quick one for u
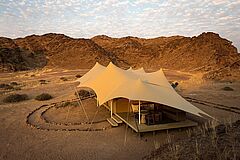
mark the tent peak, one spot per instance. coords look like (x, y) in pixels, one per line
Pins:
(110, 63)
(130, 68)
(113, 82)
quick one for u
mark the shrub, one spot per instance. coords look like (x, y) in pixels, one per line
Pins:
(78, 76)
(43, 81)
(84, 93)
(43, 97)
(17, 88)
(174, 85)
(63, 78)
(15, 98)
(5, 86)
(13, 83)
(227, 89)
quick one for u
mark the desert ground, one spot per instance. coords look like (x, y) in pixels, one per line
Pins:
(26, 136)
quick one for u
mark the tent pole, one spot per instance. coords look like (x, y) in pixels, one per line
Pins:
(125, 137)
(81, 104)
(139, 112)
(111, 108)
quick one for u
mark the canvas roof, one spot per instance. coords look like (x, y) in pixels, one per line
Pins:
(113, 82)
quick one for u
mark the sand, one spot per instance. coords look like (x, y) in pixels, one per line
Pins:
(20, 141)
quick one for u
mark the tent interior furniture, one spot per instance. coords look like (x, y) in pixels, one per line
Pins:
(150, 117)
(131, 122)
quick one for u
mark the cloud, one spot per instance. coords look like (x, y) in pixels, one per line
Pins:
(117, 18)
(218, 2)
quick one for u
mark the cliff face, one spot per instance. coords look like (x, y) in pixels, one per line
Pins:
(208, 53)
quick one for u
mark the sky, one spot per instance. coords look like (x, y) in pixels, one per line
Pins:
(120, 18)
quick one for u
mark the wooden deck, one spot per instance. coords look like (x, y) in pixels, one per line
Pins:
(133, 123)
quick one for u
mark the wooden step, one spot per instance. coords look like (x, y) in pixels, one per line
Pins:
(117, 119)
(112, 122)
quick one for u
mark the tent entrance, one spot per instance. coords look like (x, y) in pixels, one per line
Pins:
(148, 116)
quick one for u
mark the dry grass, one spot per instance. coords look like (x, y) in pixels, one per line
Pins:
(210, 141)
(65, 104)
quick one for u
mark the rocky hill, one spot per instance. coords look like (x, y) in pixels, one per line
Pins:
(64, 52)
(16, 58)
(208, 53)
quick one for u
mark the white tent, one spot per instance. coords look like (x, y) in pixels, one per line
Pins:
(112, 82)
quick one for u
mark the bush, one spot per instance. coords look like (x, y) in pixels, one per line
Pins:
(5, 86)
(43, 97)
(17, 88)
(84, 93)
(63, 78)
(13, 83)
(227, 89)
(15, 98)
(78, 76)
(43, 81)
(174, 85)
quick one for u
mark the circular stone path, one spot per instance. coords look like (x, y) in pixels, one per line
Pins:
(69, 116)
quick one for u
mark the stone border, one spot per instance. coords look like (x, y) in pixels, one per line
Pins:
(54, 123)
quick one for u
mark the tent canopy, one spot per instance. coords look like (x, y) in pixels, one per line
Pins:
(112, 82)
